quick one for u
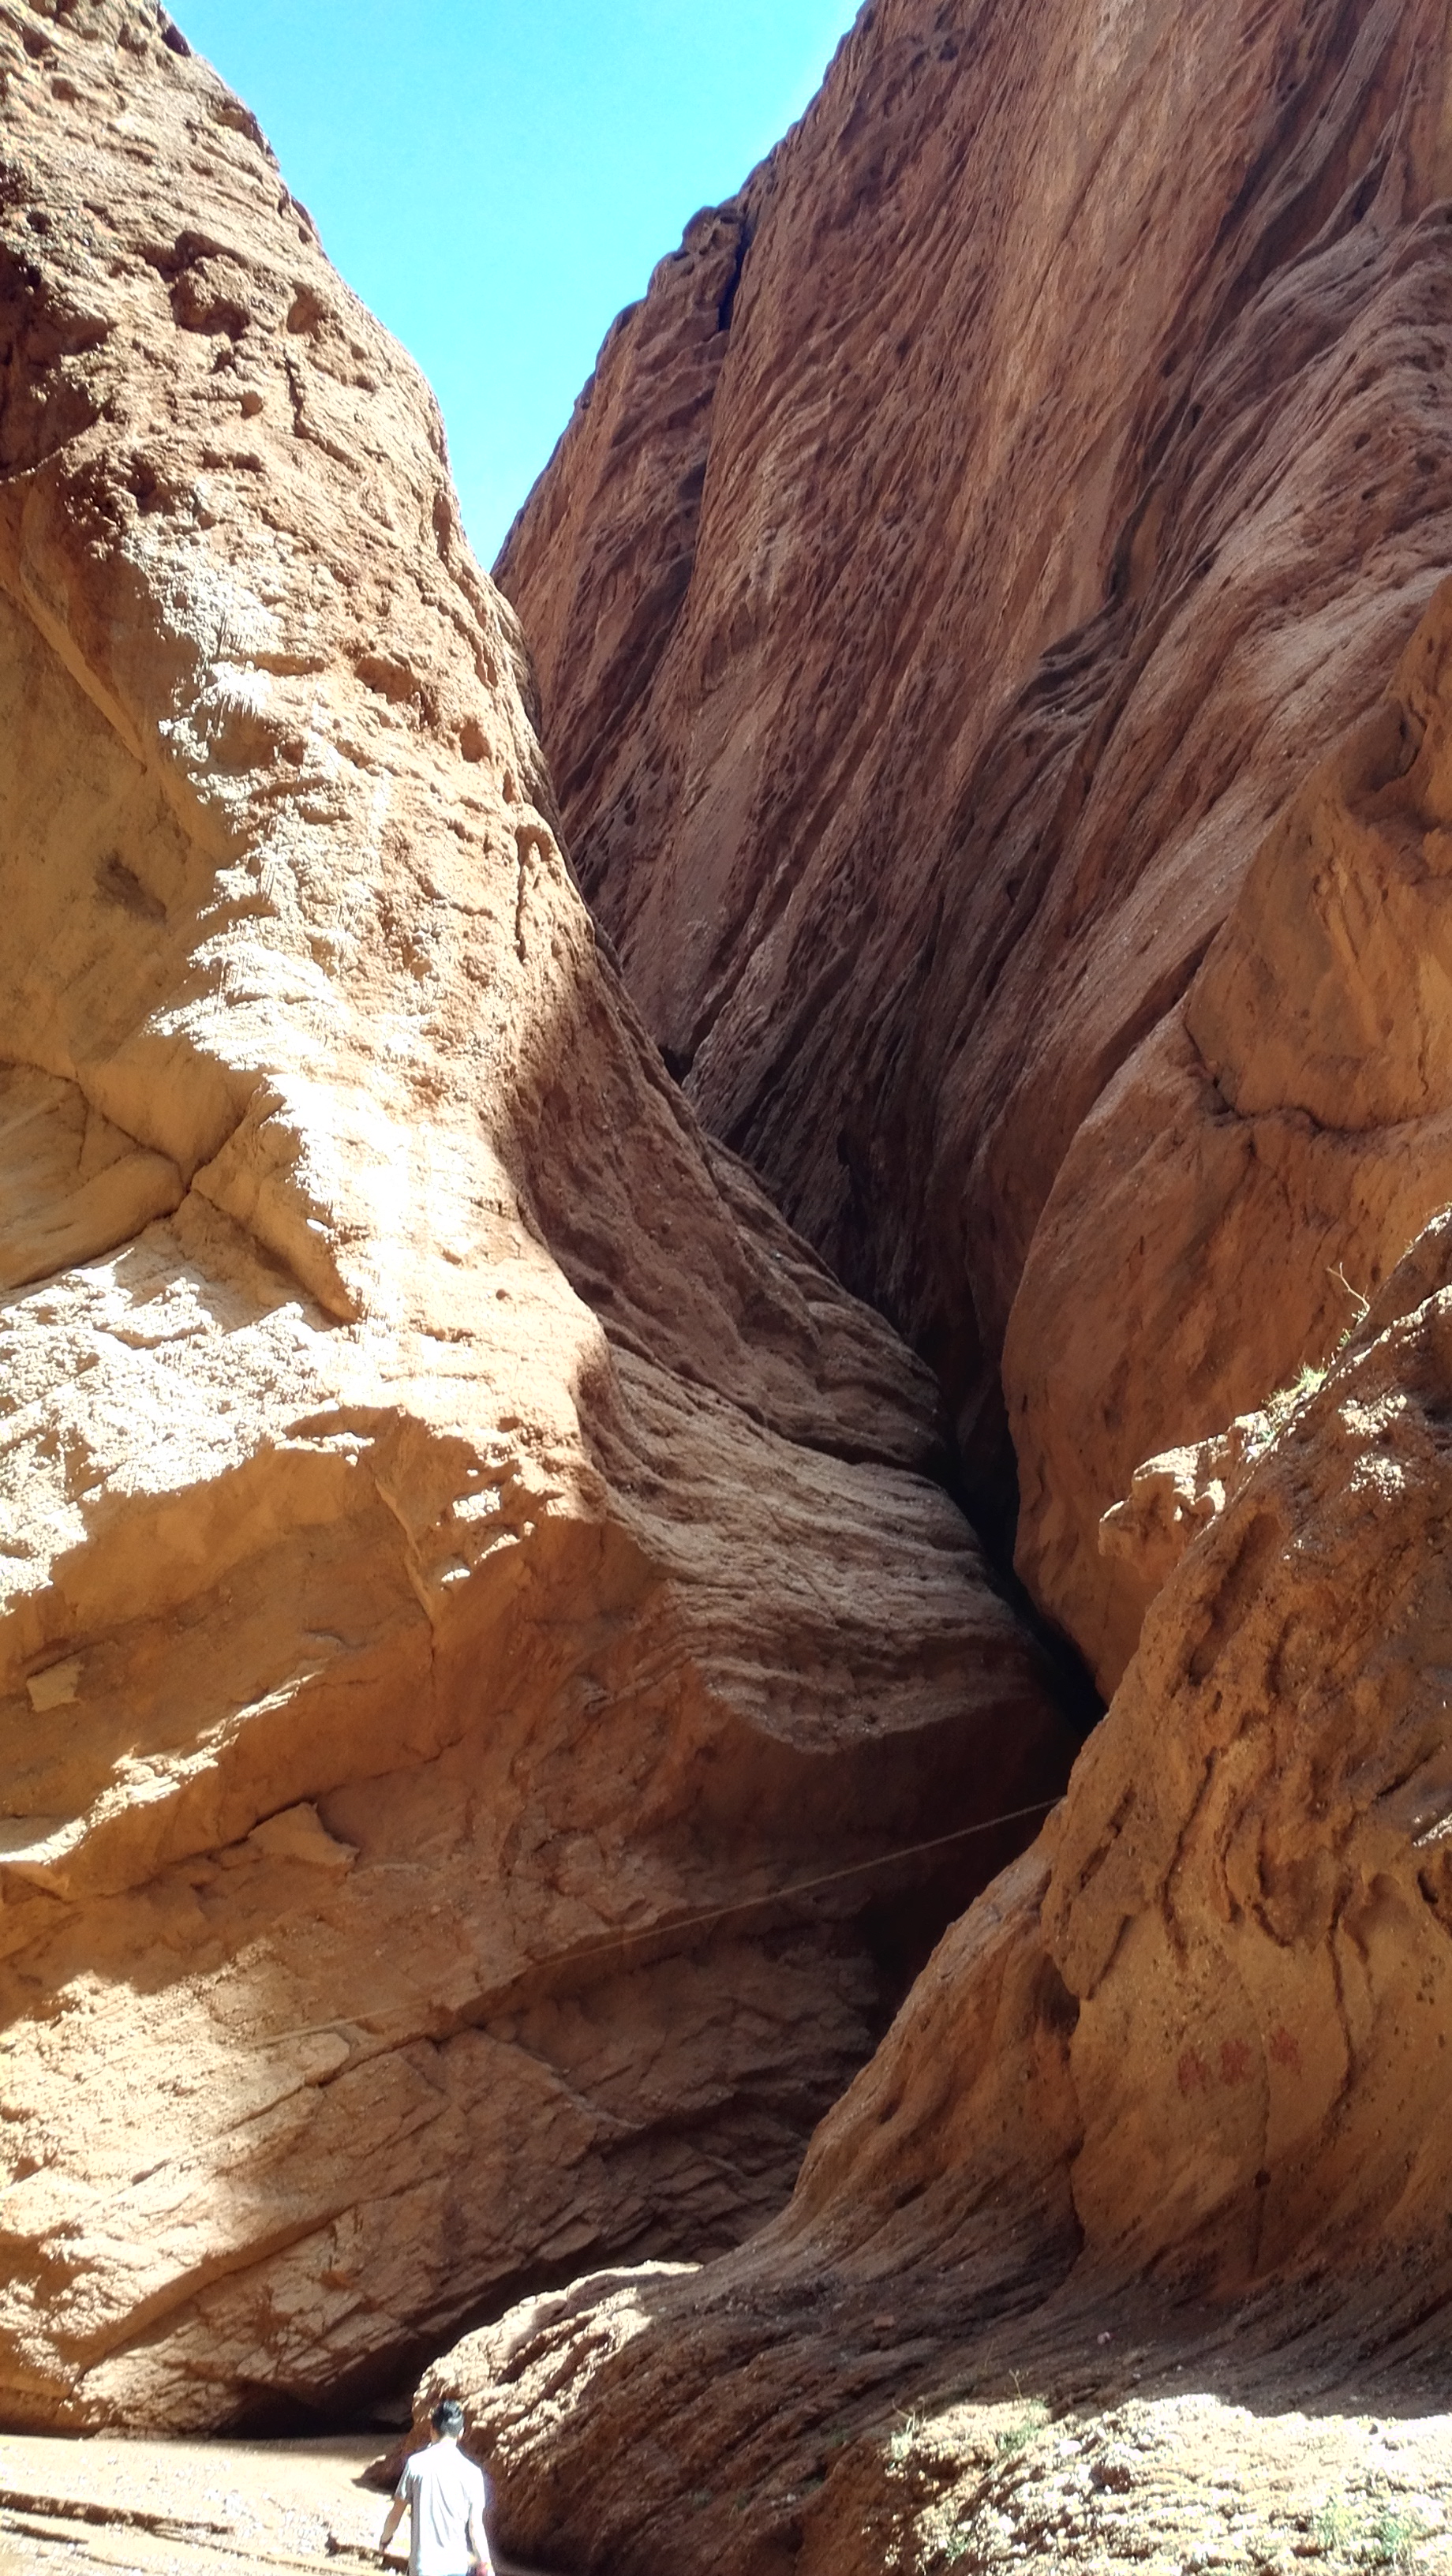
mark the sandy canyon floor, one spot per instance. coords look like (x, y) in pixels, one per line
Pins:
(186, 2507)
(189, 2508)
(1165, 2482)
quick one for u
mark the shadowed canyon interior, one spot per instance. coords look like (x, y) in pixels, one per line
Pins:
(982, 652)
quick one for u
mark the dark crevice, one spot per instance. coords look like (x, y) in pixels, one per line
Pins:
(994, 1522)
(727, 305)
(1069, 1679)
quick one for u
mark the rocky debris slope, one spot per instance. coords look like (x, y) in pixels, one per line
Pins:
(1176, 2483)
(1167, 2108)
(979, 531)
(451, 1526)
(1176, 2479)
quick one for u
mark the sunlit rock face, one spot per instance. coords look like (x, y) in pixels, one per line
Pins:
(975, 537)
(1254, 1171)
(450, 1525)
(1165, 2113)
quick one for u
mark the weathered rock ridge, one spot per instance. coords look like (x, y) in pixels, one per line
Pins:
(450, 1525)
(977, 534)
(1170, 2100)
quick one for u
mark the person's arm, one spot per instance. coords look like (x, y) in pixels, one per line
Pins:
(396, 2512)
(478, 2536)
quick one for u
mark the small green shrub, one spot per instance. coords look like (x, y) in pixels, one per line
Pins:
(902, 2444)
(1392, 2540)
(1366, 2534)
(1017, 2436)
(1281, 1407)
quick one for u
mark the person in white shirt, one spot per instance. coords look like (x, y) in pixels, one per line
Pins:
(447, 2498)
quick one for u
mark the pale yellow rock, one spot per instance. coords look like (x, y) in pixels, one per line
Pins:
(300, 1834)
(1171, 1499)
(71, 1185)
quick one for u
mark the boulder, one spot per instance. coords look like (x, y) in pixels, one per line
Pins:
(462, 1557)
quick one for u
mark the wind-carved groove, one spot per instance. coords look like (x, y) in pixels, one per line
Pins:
(1235, 1594)
(1109, 1835)
(1169, 1910)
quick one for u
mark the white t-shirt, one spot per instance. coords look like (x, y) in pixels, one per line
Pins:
(442, 2488)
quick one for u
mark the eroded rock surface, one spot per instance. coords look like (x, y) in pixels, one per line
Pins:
(1066, 472)
(1258, 1166)
(451, 1526)
(1165, 2112)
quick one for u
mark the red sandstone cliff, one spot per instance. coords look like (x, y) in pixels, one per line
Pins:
(1165, 2114)
(449, 1527)
(954, 565)
(1010, 694)
(454, 1527)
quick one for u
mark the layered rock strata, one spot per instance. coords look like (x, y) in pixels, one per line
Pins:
(979, 531)
(1166, 2111)
(453, 1531)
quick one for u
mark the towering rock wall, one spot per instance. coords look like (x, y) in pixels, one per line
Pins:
(1029, 832)
(1165, 2113)
(936, 607)
(451, 1528)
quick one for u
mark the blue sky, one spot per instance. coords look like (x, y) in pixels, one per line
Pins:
(497, 177)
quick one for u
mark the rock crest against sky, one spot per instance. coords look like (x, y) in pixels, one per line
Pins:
(991, 615)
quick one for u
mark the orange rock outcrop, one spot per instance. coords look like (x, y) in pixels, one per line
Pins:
(978, 533)
(1169, 2100)
(452, 1530)
(1256, 1169)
